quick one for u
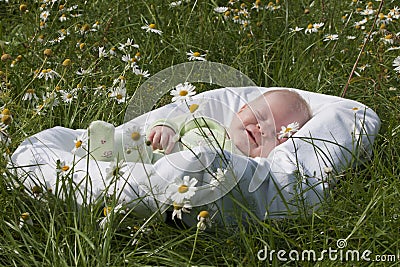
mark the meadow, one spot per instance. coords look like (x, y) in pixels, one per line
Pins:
(67, 63)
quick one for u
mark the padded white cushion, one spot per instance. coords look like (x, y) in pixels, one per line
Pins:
(340, 133)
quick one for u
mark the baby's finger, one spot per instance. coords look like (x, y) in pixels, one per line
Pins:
(170, 146)
(156, 140)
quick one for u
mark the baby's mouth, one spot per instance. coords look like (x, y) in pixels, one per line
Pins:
(251, 135)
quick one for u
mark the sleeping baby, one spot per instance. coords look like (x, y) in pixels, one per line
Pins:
(257, 128)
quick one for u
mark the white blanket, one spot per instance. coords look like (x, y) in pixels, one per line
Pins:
(295, 177)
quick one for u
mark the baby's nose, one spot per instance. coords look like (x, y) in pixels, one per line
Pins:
(258, 127)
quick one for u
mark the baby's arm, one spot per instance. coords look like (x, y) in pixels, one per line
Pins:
(162, 137)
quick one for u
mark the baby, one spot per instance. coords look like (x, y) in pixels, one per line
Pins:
(254, 129)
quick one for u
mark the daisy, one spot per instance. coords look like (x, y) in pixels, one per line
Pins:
(175, 4)
(221, 9)
(297, 29)
(129, 43)
(25, 219)
(68, 96)
(396, 64)
(102, 52)
(179, 208)
(135, 134)
(44, 15)
(204, 220)
(183, 92)
(218, 178)
(48, 74)
(82, 72)
(288, 131)
(195, 56)
(108, 211)
(62, 18)
(115, 169)
(182, 189)
(331, 37)
(80, 142)
(63, 168)
(119, 94)
(152, 28)
(140, 72)
(29, 95)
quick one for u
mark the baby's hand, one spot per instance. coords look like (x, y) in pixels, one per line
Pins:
(162, 137)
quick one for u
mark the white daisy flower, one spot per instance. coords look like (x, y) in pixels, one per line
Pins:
(135, 134)
(297, 29)
(115, 169)
(218, 178)
(25, 219)
(331, 37)
(108, 211)
(152, 28)
(29, 95)
(183, 92)
(102, 52)
(175, 4)
(119, 94)
(182, 189)
(179, 208)
(140, 72)
(288, 131)
(68, 96)
(44, 15)
(80, 142)
(195, 56)
(221, 9)
(204, 220)
(48, 74)
(63, 168)
(396, 64)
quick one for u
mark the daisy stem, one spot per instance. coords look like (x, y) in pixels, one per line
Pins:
(362, 49)
(194, 245)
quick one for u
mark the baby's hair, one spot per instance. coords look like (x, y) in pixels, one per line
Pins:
(300, 106)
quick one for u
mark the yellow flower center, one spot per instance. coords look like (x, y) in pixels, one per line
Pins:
(204, 214)
(135, 136)
(78, 144)
(106, 211)
(48, 52)
(193, 108)
(309, 26)
(183, 93)
(85, 28)
(6, 119)
(355, 108)
(381, 16)
(183, 189)
(68, 96)
(288, 129)
(119, 96)
(389, 36)
(65, 168)
(30, 91)
(66, 62)
(6, 111)
(152, 26)
(176, 206)
(25, 216)
(196, 54)
(82, 45)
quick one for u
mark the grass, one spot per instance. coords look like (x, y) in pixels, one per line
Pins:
(364, 207)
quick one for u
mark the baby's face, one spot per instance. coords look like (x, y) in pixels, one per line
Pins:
(253, 130)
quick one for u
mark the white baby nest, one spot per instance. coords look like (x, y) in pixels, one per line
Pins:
(340, 133)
